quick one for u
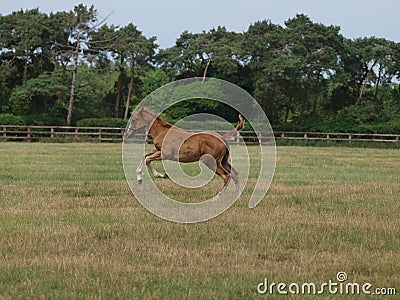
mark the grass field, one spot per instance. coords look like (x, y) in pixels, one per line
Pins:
(70, 228)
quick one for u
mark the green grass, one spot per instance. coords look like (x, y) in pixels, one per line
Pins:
(70, 227)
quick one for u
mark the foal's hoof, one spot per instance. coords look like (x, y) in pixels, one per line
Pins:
(140, 180)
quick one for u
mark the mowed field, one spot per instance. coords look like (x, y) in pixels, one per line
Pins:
(71, 228)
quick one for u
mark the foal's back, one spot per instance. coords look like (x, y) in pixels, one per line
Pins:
(180, 145)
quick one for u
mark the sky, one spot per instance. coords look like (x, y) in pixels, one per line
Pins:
(169, 18)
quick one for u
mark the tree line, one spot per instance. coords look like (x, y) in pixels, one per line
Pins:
(71, 67)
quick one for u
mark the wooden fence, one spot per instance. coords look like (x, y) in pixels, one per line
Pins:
(102, 134)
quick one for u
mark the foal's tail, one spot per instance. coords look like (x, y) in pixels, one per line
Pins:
(239, 127)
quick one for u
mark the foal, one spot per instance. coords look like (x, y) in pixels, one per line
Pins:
(176, 144)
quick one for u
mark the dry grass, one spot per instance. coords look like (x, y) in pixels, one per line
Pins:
(70, 227)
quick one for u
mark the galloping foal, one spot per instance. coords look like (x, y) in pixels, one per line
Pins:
(176, 144)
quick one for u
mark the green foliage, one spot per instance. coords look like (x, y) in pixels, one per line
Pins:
(37, 100)
(305, 75)
(390, 106)
(10, 119)
(207, 53)
(91, 94)
(204, 125)
(182, 109)
(36, 95)
(391, 127)
(363, 111)
(152, 80)
(102, 122)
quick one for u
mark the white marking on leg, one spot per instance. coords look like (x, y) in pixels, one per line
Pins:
(139, 170)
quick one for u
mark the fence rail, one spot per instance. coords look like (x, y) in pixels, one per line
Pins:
(102, 134)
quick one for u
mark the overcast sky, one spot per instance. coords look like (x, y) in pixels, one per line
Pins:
(169, 18)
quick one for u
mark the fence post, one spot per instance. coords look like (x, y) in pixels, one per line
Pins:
(76, 133)
(4, 131)
(237, 137)
(29, 134)
(52, 132)
(99, 134)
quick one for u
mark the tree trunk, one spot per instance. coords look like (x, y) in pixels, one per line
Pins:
(206, 69)
(314, 106)
(118, 99)
(72, 95)
(73, 84)
(364, 82)
(25, 75)
(287, 112)
(128, 100)
(64, 70)
(377, 83)
(365, 79)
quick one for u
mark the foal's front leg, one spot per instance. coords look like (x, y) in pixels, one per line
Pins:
(139, 172)
(153, 157)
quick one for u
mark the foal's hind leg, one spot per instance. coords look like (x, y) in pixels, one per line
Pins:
(224, 174)
(234, 174)
(218, 169)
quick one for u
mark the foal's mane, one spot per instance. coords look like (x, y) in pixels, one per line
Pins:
(164, 123)
(158, 118)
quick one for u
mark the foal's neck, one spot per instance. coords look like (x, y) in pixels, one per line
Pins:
(159, 126)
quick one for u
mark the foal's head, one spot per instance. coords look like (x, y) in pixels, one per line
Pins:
(139, 120)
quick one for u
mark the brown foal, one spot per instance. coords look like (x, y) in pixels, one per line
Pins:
(176, 144)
